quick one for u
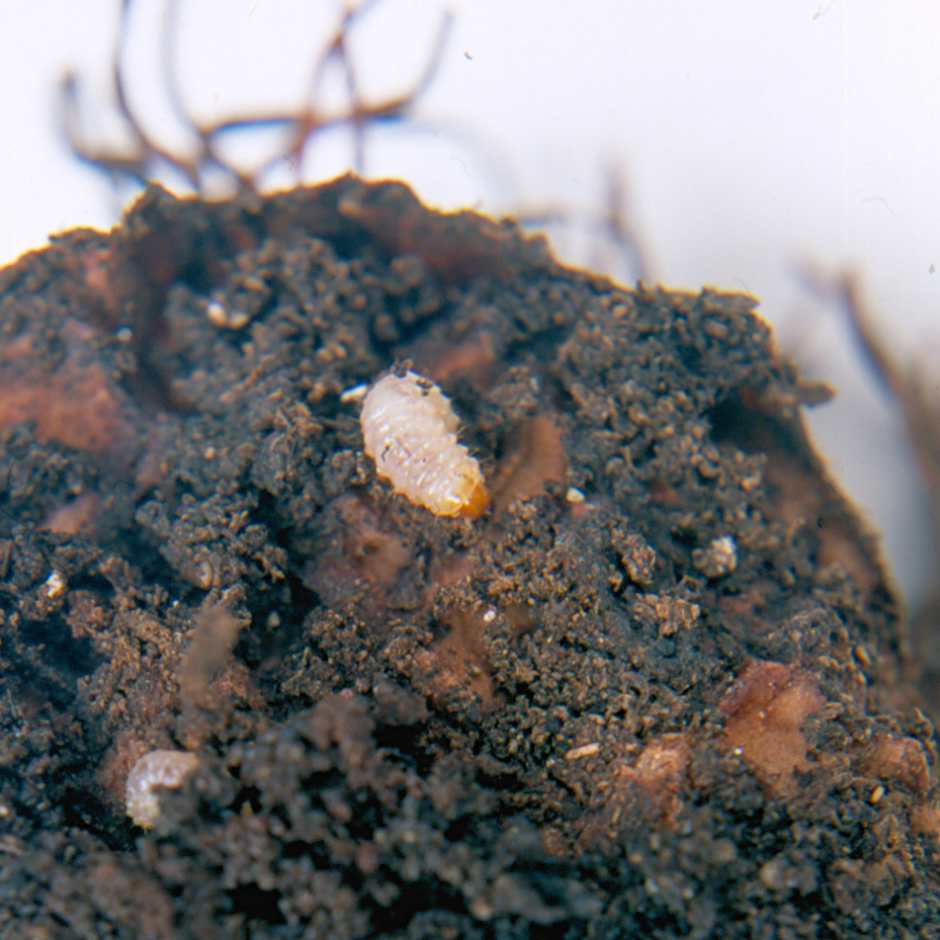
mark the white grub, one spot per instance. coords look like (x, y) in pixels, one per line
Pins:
(155, 769)
(410, 431)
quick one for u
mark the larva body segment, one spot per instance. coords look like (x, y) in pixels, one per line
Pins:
(410, 431)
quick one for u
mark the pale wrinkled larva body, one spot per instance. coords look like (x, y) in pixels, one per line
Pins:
(410, 431)
(155, 769)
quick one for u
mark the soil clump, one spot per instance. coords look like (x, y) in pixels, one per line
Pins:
(654, 691)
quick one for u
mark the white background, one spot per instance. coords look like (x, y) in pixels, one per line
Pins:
(755, 139)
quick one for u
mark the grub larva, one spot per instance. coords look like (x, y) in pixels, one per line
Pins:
(410, 431)
(155, 769)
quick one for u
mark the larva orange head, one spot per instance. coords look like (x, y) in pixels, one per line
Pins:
(476, 501)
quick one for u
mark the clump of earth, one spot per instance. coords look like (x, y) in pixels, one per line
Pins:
(656, 689)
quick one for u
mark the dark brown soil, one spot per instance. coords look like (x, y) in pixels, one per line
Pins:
(653, 692)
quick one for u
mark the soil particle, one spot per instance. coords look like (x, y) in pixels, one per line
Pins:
(654, 691)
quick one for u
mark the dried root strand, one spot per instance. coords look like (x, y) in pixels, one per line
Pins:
(141, 156)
